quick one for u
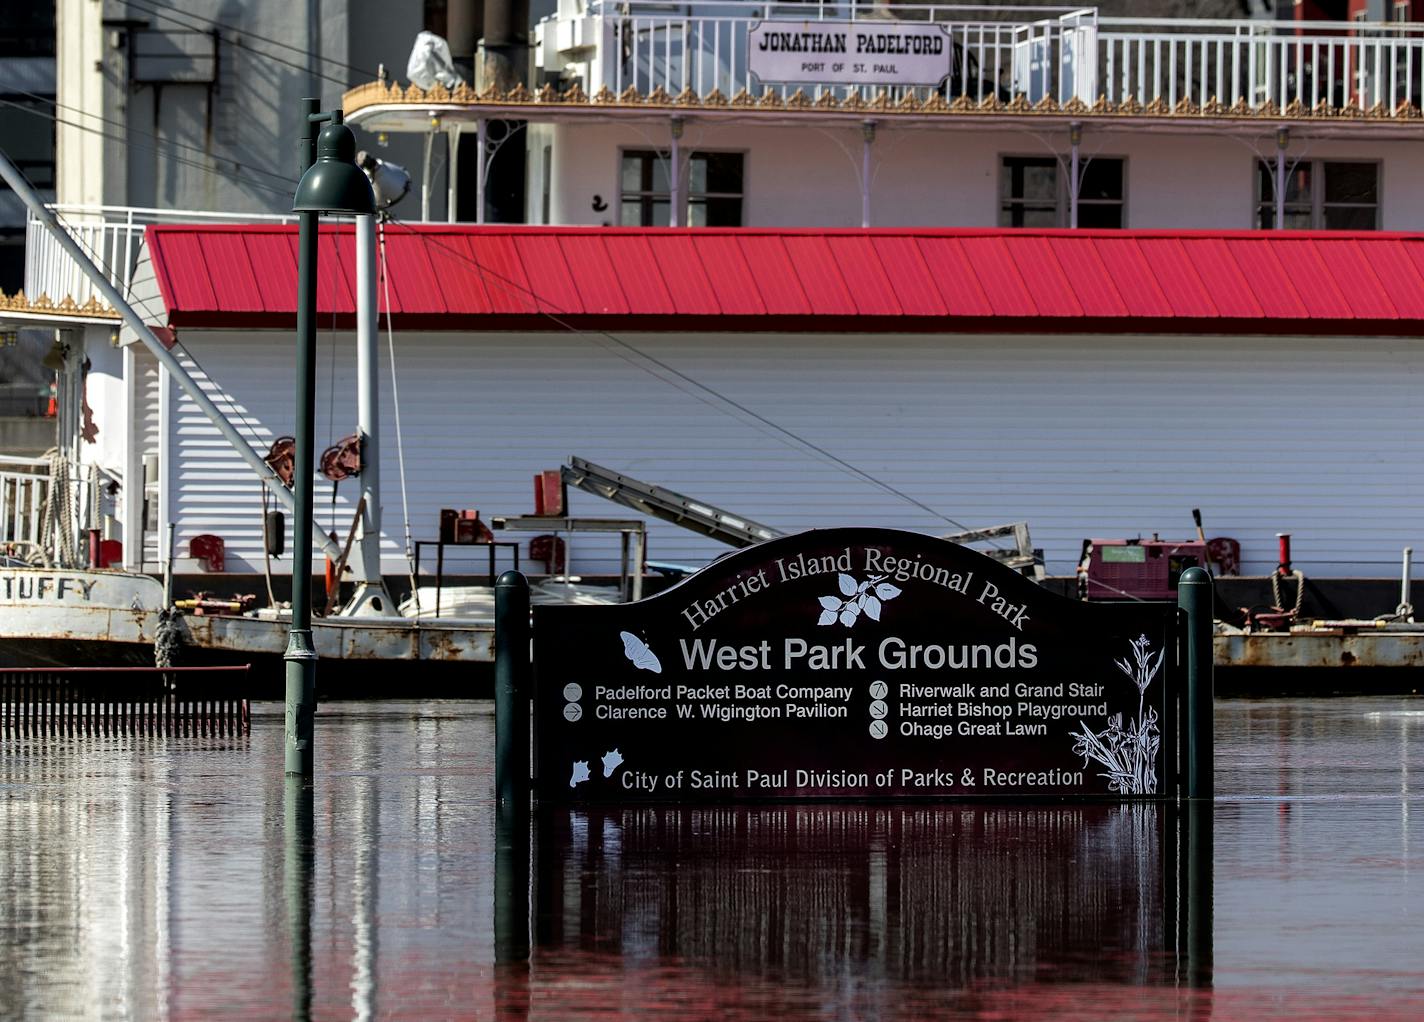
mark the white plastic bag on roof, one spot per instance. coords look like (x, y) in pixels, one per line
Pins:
(430, 62)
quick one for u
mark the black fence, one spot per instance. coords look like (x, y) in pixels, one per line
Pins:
(124, 700)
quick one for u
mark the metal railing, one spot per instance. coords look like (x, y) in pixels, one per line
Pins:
(34, 529)
(24, 501)
(1316, 64)
(1058, 53)
(112, 236)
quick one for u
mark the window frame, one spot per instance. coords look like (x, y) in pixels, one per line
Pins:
(1318, 205)
(643, 195)
(1062, 206)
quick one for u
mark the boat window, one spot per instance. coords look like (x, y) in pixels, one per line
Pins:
(1334, 195)
(1033, 192)
(712, 182)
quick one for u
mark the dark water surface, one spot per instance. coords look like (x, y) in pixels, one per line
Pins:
(168, 878)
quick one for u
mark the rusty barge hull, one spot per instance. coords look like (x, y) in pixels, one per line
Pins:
(77, 618)
(51, 617)
(130, 635)
(1394, 650)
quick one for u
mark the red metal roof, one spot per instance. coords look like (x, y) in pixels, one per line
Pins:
(465, 277)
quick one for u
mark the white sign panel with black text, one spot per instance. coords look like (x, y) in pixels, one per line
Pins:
(850, 52)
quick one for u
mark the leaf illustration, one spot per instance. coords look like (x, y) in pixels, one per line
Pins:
(886, 591)
(848, 616)
(860, 601)
(827, 617)
(830, 603)
(847, 585)
(863, 587)
(872, 607)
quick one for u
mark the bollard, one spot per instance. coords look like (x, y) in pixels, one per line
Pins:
(300, 872)
(1194, 595)
(511, 884)
(511, 691)
(1201, 894)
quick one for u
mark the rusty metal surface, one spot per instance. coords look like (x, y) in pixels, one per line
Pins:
(118, 607)
(1280, 649)
(373, 639)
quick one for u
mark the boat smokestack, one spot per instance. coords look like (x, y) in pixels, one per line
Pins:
(506, 43)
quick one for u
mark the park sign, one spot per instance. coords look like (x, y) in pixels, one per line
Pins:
(882, 53)
(855, 664)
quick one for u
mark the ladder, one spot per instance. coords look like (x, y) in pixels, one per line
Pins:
(734, 530)
(1019, 557)
(668, 505)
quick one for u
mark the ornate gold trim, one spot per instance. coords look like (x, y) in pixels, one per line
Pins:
(377, 93)
(46, 306)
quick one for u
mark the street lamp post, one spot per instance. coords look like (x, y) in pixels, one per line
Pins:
(331, 184)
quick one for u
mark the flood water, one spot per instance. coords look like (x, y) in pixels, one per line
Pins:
(173, 878)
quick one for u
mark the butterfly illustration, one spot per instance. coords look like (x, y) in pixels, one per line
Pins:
(636, 650)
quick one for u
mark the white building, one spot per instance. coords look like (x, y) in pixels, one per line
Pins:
(1111, 408)
(1093, 383)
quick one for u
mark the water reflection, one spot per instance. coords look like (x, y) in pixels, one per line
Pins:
(300, 867)
(959, 896)
(162, 877)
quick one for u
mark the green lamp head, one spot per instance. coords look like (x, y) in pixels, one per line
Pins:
(334, 184)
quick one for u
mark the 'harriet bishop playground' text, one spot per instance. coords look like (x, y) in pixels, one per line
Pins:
(891, 654)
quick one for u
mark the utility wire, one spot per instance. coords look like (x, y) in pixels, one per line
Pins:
(543, 305)
(233, 39)
(641, 360)
(146, 148)
(158, 139)
(98, 257)
(156, 9)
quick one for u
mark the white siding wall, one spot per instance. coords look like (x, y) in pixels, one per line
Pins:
(1081, 436)
(806, 177)
(147, 431)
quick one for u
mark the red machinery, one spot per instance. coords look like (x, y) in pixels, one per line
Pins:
(1136, 569)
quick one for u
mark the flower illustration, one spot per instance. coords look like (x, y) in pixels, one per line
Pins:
(856, 598)
(1128, 752)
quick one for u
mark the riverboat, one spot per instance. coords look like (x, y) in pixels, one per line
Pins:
(1125, 266)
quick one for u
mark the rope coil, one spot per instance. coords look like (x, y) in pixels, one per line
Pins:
(1299, 577)
(167, 638)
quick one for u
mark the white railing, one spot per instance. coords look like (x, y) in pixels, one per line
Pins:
(32, 530)
(24, 496)
(1337, 64)
(111, 236)
(1058, 53)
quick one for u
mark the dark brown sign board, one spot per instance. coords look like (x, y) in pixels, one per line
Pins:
(856, 664)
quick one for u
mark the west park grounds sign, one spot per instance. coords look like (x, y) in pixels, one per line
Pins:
(855, 664)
